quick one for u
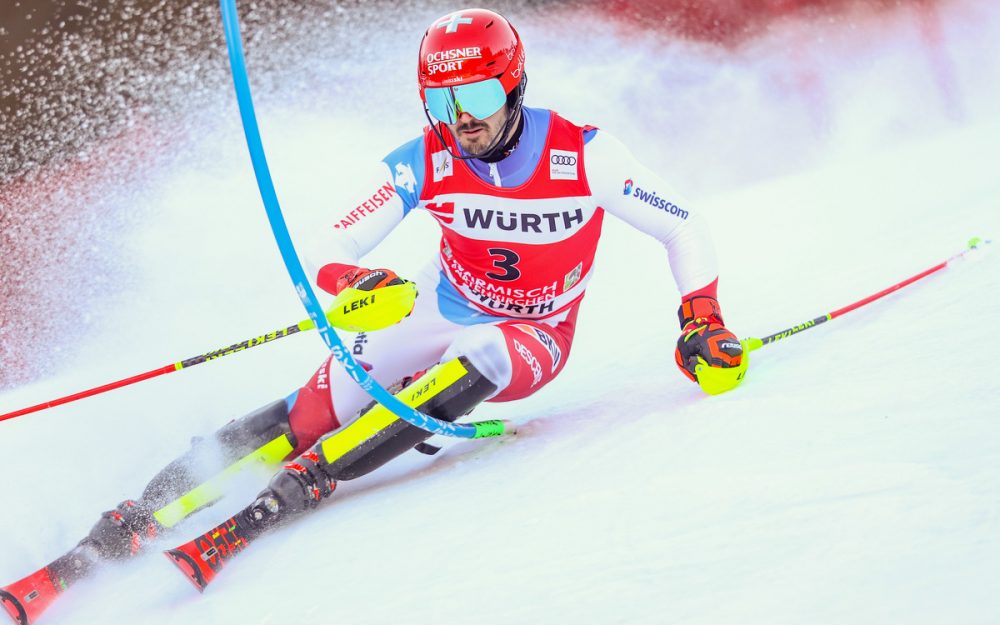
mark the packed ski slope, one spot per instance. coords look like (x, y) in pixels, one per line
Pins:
(851, 479)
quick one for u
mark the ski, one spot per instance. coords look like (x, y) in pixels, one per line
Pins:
(25, 600)
(201, 558)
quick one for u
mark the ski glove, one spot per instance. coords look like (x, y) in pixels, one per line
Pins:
(707, 352)
(367, 299)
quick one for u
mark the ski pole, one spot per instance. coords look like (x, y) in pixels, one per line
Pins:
(752, 344)
(177, 366)
(339, 315)
(716, 380)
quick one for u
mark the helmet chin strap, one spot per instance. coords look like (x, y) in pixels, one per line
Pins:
(498, 144)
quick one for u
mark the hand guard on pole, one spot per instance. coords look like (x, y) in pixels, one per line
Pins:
(708, 353)
(367, 299)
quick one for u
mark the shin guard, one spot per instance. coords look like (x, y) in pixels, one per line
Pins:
(446, 391)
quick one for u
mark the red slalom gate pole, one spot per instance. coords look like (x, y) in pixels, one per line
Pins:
(177, 366)
(751, 344)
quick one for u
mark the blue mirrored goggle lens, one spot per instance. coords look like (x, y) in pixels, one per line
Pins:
(479, 99)
(441, 104)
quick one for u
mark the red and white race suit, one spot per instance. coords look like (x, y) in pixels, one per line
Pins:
(514, 259)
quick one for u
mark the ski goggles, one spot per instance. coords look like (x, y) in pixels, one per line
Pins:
(479, 99)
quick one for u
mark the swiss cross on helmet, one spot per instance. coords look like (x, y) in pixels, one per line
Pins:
(471, 61)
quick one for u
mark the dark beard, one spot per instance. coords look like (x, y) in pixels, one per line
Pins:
(477, 144)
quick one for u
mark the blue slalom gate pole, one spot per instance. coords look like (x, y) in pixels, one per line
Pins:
(234, 44)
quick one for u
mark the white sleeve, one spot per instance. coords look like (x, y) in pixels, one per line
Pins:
(624, 187)
(355, 227)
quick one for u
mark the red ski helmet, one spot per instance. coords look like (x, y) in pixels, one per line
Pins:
(471, 61)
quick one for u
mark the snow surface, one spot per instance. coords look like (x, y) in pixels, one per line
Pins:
(851, 479)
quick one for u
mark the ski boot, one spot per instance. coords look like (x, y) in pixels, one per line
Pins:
(122, 532)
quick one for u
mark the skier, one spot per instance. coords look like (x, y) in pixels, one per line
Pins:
(520, 194)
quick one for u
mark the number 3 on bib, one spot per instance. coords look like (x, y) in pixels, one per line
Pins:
(506, 261)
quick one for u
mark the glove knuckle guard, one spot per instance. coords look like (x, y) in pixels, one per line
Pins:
(376, 279)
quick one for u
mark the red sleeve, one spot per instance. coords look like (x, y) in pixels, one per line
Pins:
(709, 290)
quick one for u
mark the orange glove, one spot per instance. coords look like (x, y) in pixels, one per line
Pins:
(704, 335)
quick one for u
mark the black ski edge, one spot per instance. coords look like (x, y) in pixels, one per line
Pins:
(195, 577)
(22, 615)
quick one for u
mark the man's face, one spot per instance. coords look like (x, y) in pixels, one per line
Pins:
(475, 135)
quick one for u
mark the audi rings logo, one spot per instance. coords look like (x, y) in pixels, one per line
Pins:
(562, 164)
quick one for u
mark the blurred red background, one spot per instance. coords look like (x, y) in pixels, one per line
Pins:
(59, 145)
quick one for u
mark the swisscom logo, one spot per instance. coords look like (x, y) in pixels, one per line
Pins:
(654, 200)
